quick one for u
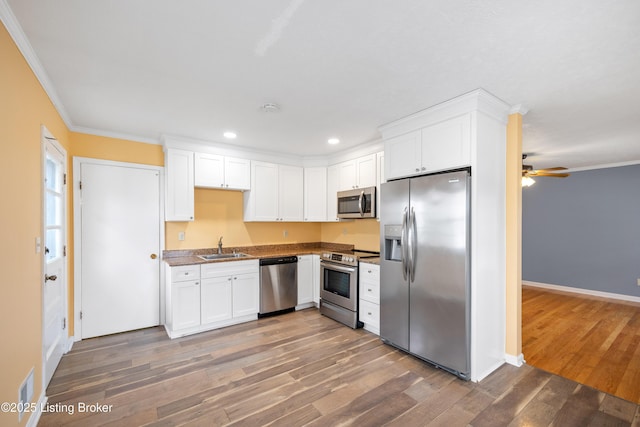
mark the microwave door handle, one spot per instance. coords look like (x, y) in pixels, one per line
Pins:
(360, 200)
(403, 244)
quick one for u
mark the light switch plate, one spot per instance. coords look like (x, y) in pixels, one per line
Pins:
(181, 235)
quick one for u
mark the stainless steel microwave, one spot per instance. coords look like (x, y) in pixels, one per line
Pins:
(358, 203)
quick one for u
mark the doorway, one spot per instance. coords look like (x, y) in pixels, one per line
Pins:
(117, 210)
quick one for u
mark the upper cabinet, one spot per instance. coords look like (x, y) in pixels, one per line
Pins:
(315, 194)
(179, 185)
(276, 193)
(357, 173)
(441, 146)
(215, 171)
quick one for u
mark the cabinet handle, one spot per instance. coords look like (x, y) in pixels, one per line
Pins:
(417, 170)
(369, 313)
(235, 278)
(221, 185)
(369, 290)
(186, 273)
(229, 279)
(423, 168)
(197, 283)
(368, 271)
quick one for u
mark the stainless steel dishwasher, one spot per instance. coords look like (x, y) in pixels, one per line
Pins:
(278, 285)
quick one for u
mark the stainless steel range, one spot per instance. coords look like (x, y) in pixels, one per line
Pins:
(339, 291)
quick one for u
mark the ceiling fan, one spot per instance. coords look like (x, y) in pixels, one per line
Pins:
(528, 172)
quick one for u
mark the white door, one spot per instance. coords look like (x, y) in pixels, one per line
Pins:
(55, 281)
(120, 244)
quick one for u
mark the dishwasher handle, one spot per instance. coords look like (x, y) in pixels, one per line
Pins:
(279, 260)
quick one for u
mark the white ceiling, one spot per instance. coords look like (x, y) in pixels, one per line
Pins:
(197, 68)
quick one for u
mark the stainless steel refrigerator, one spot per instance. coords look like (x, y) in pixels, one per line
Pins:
(425, 268)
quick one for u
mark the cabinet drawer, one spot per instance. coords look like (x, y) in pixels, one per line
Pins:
(185, 272)
(217, 269)
(370, 314)
(370, 291)
(369, 272)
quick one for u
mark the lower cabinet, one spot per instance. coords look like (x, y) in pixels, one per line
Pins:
(369, 312)
(210, 296)
(308, 281)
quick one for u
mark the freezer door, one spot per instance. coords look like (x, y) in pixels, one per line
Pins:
(439, 304)
(394, 289)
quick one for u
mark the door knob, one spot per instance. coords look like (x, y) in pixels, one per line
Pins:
(153, 256)
(52, 277)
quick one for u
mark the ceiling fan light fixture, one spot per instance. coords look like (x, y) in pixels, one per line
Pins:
(527, 181)
(270, 107)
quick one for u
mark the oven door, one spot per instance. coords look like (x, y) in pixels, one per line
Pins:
(339, 285)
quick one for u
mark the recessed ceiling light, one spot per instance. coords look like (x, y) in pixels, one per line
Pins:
(230, 135)
(333, 141)
(270, 107)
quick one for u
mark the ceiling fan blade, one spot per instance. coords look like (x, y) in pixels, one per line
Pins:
(553, 175)
(558, 168)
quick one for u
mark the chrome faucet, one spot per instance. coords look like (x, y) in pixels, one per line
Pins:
(220, 245)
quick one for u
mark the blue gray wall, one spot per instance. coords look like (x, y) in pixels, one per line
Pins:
(584, 231)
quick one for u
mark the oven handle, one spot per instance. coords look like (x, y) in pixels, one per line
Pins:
(331, 266)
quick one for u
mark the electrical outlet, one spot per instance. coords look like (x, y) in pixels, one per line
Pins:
(285, 233)
(638, 281)
(181, 235)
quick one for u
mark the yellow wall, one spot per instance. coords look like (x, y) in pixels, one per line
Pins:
(24, 107)
(513, 345)
(362, 233)
(219, 213)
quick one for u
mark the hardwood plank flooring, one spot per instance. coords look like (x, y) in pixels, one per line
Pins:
(594, 341)
(303, 369)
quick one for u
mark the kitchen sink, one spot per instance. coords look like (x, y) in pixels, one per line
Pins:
(221, 256)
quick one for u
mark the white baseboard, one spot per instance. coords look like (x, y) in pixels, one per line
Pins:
(514, 360)
(570, 289)
(35, 415)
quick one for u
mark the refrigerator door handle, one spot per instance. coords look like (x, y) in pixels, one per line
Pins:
(403, 243)
(412, 245)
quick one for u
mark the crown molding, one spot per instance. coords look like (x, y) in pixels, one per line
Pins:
(519, 109)
(20, 39)
(115, 135)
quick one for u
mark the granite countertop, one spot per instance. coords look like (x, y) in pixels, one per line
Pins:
(176, 258)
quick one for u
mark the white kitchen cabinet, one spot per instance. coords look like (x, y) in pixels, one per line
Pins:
(305, 280)
(290, 193)
(179, 203)
(315, 279)
(447, 145)
(315, 194)
(216, 299)
(183, 299)
(276, 193)
(332, 193)
(246, 294)
(369, 312)
(441, 146)
(210, 296)
(379, 179)
(357, 173)
(215, 171)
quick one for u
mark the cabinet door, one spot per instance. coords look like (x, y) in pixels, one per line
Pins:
(447, 145)
(185, 304)
(402, 155)
(246, 294)
(305, 279)
(264, 191)
(290, 193)
(215, 299)
(209, 170)
(332, 193)
(315, 194)
(347, 175)
(315, 261)
(179, 182)
(237, 173)
(366, 171)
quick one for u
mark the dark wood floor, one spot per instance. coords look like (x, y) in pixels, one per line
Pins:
(304, 369)
(594, 341)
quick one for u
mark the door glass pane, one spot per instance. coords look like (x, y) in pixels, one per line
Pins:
(53, 244)
(54, 210)
(53, 175)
